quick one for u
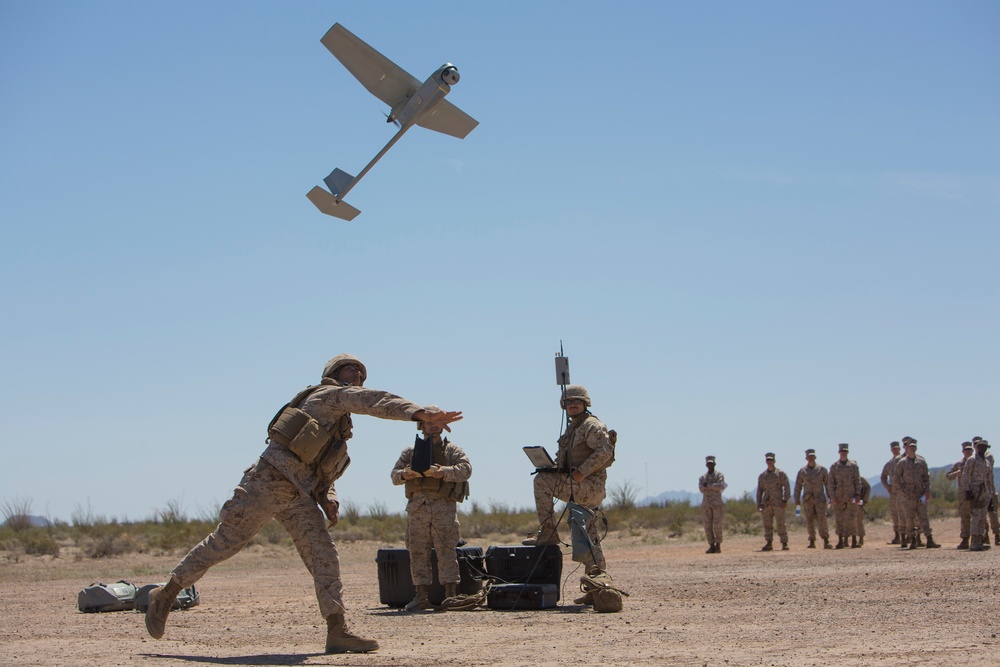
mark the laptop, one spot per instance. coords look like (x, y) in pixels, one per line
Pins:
(540, 458)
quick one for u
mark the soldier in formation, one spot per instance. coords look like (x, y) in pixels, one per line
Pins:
(964, 506)
(436, 480)
(811, 492)
(886, 478)
(713, 509)
(911, 479)
(584, 454)
(845, 490)
(859, 512)
(293, 478)
(773, 494)
(979, 488)
(991, 511)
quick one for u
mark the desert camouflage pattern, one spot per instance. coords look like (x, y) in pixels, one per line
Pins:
(773, 494)
(886, 479)
(964, 506)
(431, 519)
(811, 488)
(845, 487)
(992, 513)
(912, 480)
(713, 509)
(977, 478)
(585, 446)
(279, 485)
(263, 493)
(859, 514)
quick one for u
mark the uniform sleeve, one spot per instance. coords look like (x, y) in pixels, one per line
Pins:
(798, 487)
(458, 469)
(925, 480)
(597, 440)
(703, 483)
(328, 405)
(885, 475)
(956, 470)
(405, 459)
(786, 492)
(760, 489)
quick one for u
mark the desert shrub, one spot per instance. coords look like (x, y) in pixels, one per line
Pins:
(742, 516)
(623, 496)
(110, 544)
(272, 533)
(16, 513)
(350, 512)
(877, 509)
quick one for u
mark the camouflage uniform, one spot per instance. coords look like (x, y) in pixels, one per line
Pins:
(811, 486)
(992, 513)
(886, 478)
(912, 480)
(773, 494)
(866, 494)
(279, 485)
(432, 512)
(978, 487)
(711, 485)
(964, 506)
(585, 447)
(845, 487)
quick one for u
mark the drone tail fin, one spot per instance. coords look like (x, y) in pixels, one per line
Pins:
(330, 205)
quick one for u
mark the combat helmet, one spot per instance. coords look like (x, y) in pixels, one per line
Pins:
(332, 366)
(574, 391)
(428, 408)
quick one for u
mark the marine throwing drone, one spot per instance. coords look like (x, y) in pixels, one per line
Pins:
(410, 101)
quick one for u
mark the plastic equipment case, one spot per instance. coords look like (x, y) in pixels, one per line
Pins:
(523, 596)
(525, 565)
(395, 585)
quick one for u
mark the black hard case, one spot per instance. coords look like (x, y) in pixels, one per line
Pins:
(395, 585)
(525, 565)
(522, 596)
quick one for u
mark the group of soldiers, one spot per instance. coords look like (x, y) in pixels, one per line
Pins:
(905, 477)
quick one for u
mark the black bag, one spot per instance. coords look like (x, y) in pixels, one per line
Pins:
(107, 597)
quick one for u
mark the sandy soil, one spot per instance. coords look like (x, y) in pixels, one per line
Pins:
(877, 605)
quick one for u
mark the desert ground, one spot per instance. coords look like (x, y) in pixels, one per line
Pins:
(878, 605)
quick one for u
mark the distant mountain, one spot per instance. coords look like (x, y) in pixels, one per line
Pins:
(671, 497)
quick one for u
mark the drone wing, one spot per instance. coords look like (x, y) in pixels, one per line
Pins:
(445, 117)
(383, 78)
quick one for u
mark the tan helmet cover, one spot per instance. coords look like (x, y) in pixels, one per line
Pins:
(332, 366)
(575, 391)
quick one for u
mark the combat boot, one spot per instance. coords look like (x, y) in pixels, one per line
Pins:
(767, 546)
(931, 544)
(161, 599)
(977, 543)
(914, 541)
(784, 545)
(812, 544)
(420, 600)
(841, 542)
(854, 542)
(986, 542)
(895, 538)
(861, 541)
(450, 591)
(920, 541)
(964, 544)
(718, 548)
(904, 541)
(826, 543)
(341, 640)
(996, 539)
(711, 549)
(547, 534)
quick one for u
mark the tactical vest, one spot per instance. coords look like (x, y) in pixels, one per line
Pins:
(577, 456)
(456, 492)
(305, 437)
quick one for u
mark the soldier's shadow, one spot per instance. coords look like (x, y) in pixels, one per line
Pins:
(267, 659)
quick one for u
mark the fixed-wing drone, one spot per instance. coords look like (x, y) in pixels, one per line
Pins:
(410, 101)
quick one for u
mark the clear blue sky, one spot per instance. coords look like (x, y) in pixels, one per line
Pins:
(754, 226)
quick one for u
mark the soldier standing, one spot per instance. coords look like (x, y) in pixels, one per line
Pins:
(886, 479)
(291, 481)
(773, 494)
(811, 488)
(912, 479)
(859, 513)
(991, 511)
(845, 489)
(433, 493)
(584, 454)
(979, 488)
(964, 508)
(711, 485)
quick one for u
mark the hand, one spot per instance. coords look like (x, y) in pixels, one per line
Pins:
(578, 476)
(332, 510)
(434, 471)
(440, 417)
(408, 473)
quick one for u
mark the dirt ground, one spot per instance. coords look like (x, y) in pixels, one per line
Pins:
(878, 605)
